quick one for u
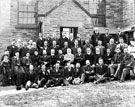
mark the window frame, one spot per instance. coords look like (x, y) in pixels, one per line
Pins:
(97, 15)
(21, 25)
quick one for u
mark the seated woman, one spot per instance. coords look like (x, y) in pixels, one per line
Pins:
(6, 71)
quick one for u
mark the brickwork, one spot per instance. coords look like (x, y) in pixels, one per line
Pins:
(114, 11)
(128, 12)
(68, 14)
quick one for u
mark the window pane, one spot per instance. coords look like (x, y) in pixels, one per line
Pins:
(25, 15)
(33, 21)
(20, 20)
(21, 15)
(31, 8)
(29, 15)
(29, 20)
(24, 20)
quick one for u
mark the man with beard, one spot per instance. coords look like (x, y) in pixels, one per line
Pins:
(88, 73)
(79, 57)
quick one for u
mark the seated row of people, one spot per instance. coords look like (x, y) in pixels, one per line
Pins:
(31, 74)
(18, 61)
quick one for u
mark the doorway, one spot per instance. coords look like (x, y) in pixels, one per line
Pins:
(69, 30)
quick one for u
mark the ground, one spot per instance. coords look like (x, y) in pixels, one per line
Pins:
(113, 94)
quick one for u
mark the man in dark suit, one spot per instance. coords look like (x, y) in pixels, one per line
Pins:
(79, 40)
(106, 38)
(35, 60)
(40, 42)
(48, 39)
(102, 72)
(12, 49)
(19, 73)
(88, 73)
(120, 35)
(108, 57)
(116, 60)
(44, 59)
(55, 46)
(75, 47)
(71, 40)
(64, 49)
(62, 40)
(52, 58)
(23, 50)
(60, 58)
(78, 74)
(44, 76)
(56, 77)
(126, 65)
(68, 74)
(89, 56)
(79, 57)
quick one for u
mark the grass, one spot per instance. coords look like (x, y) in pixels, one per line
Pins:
(111, 94)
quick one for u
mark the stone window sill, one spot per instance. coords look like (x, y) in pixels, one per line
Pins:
(26, 26)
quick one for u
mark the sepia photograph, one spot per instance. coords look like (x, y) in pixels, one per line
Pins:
(67, 53)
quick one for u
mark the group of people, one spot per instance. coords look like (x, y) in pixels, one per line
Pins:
(52, 61)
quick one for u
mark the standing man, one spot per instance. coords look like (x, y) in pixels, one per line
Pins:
(62, 40)
(40, 42)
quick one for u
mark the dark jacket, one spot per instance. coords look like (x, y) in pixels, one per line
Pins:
(102, 70)
(88, 70)
(44, 75)
(12, 50)
(56, 74)
(117, 58)
(23, 51)
(40, 43)
(78, 73)
(68, 73)
(90, 57)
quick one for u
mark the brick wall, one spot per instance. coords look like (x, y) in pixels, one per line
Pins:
(128, 12)
(114, 13)
(68, 14)
(8, 22)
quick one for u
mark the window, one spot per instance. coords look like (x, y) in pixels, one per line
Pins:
(27, 13)
(97, 8)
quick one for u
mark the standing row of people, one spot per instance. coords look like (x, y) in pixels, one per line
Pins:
(52, 62)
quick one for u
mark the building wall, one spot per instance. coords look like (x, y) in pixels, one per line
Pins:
(114, 13)
(66, 15)
(69, 14)
(128, 12)
(8, 24)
